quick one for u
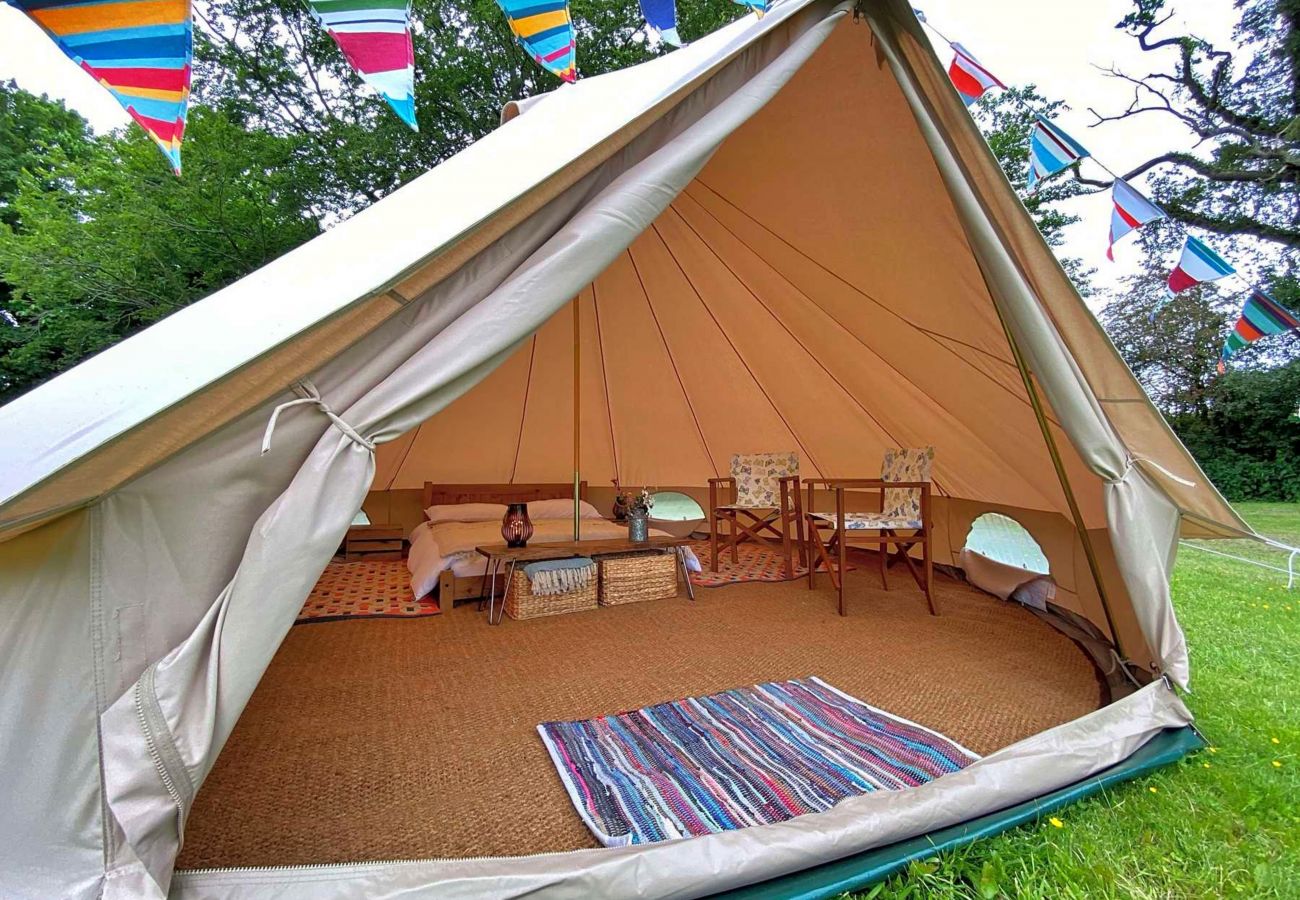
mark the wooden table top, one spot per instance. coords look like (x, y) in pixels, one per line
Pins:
(564, 549)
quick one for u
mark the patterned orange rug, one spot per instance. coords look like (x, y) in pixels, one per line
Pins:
(755, 563)
(364, 590)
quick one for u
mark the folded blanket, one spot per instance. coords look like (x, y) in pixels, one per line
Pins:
(560, 576)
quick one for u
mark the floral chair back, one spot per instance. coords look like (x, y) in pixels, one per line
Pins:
(757, 477)
(905, 464)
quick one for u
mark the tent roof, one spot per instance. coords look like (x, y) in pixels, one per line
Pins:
(118, 414)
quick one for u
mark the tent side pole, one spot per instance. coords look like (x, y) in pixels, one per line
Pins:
(1089, 551)
(577, 414)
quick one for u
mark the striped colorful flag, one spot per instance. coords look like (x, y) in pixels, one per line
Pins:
(545, 31)
(1050, 151)
(1131, 212)
(1261, 316)
(139, 50)
(969, 77)
(375, 37)
(661, 15)
(758, 6)
(1197, 264)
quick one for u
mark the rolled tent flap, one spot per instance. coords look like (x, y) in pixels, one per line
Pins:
(162, 736)
(1142, 519)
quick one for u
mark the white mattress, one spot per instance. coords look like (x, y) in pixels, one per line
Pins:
(427, 559)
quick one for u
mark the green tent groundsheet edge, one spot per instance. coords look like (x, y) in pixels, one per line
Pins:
(864, 869)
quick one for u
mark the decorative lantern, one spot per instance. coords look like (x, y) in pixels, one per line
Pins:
(515, 526)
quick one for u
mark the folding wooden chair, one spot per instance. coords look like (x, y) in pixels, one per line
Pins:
(763, 490)
(903, 521)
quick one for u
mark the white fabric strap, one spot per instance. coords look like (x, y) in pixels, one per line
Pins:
(1155, 465)
(309, 395)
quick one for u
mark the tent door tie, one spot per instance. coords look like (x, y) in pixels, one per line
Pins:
(1133, 460)
(309, 395)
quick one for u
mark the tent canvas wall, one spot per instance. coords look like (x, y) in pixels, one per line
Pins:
(792, 224)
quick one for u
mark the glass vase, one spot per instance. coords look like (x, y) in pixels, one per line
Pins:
(515, 525)
(638, 525)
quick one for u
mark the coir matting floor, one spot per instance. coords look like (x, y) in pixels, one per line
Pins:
(376, 739)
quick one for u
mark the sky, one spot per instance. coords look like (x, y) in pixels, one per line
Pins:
(1056, 44)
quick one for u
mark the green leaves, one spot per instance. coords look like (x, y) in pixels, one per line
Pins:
(105, 241)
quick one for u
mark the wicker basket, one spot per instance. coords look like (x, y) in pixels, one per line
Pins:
(635, 577)
(522, 603)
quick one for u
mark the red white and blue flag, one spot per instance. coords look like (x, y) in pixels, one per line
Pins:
(1131, 212)
(1197, 265)
(1050, 151)
(969, 77)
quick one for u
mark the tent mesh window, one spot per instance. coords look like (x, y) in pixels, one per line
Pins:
(1003, 539)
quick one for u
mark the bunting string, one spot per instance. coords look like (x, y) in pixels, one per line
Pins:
(1051, 151)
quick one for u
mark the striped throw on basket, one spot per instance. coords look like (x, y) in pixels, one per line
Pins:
(749, 756)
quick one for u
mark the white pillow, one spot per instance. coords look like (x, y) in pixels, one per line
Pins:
(561, 509)
(465, 512)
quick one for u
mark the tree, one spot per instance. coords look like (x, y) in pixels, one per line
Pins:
(109, 241)
(268, 64)
(36, 135)
(1171, 344)
(1249, 443)
(1243, 178)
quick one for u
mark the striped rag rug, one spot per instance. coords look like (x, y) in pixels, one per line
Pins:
(750, 756)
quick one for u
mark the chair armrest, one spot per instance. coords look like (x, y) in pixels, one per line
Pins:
(876, 483)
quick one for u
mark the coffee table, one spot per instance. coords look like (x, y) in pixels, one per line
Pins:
(499, 555)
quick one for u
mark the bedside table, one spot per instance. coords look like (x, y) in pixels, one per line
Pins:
(374, 542)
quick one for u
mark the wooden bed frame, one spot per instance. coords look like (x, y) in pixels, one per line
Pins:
(452, 588)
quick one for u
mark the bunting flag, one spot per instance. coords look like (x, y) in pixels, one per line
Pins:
(139, 50)
(1197, 264)
(758, 6)
(661, 15)
(545, 31)
(1260, 317)
(375, 37)
(1131, 212)
(969, 77)
(1050, 151)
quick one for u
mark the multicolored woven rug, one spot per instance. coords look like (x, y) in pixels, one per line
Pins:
(381, 588)
(750, 756)
(755, 563)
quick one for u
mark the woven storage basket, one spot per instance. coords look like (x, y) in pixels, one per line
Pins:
(522, 603)
(637, 577)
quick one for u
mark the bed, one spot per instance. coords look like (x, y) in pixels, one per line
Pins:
(460, 517)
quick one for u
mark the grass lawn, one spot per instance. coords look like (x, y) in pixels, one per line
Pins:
(1221, 823)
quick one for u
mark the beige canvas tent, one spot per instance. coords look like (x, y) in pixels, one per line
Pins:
(787, 235)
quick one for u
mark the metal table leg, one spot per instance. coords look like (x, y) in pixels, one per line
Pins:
(505, 592)
(493, 565)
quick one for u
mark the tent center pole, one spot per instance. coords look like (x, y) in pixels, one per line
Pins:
(577, 416)
(1044, 426)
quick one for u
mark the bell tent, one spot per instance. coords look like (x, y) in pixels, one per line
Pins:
(788, 235)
